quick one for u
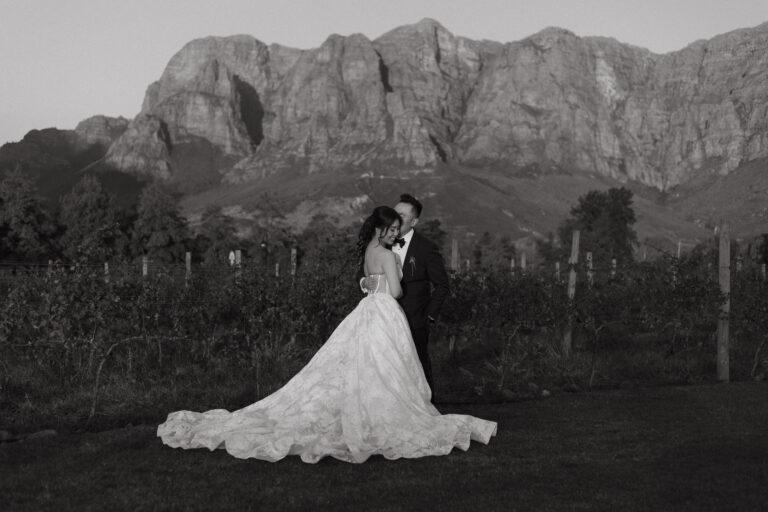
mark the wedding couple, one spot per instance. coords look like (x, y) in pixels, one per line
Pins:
(365, 392)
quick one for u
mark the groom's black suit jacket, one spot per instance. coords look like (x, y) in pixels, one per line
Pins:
(425, 282)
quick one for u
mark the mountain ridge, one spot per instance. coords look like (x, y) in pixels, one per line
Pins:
(411, 88)
(232, 112)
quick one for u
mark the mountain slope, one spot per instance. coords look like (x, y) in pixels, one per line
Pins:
(494, 136)
(57, 159)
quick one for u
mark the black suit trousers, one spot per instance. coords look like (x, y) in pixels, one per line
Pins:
(421, 340)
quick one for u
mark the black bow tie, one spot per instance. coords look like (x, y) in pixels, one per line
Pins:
(400, 241)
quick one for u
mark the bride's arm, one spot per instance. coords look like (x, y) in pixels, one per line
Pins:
(393, 278)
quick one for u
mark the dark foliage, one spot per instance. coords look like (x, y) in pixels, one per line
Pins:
(604, 220)
(94, 229)
(159, 230)
(27, 230)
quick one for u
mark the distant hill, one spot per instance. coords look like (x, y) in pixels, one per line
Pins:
(57, 159)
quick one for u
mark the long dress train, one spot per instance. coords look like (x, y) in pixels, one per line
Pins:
(363, 393)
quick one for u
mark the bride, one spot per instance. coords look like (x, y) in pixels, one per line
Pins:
(363, 393)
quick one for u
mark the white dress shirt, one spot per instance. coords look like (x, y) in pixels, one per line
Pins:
(402, 251)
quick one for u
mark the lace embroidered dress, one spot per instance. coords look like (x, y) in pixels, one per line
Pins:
(363, 393)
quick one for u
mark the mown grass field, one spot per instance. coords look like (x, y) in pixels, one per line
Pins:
(663, 448)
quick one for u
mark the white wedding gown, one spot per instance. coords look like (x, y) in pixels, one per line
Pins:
(363, 393)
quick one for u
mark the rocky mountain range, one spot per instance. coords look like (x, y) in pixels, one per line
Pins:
(494, 136)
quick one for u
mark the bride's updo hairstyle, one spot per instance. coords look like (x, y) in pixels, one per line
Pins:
(382, 217)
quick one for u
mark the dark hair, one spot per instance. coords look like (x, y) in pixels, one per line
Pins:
(382, 217)
(408, 198)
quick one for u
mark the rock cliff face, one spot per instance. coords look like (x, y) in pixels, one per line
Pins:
(101, 130)
(598, 105)
(418, 96)
(143, 148)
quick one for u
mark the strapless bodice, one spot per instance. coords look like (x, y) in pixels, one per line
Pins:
(382, 285)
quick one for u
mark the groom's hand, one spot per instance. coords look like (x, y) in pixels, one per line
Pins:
(368, 283)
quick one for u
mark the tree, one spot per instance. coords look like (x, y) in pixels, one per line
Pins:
(549, 250)
(480, 256)
(159, 230)
(501, 251)
(605, 220)
(92, 223)
(434, 232)
(764, 248)
(217, 235)
(26, 229)
(324, 241)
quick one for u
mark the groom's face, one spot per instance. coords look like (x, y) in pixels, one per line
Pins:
(408, 213)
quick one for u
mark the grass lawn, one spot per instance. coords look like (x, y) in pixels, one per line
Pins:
(675, 448)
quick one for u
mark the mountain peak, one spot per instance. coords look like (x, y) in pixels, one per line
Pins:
(426, 26)
(101, 129)
(548, 32)
(428, 23)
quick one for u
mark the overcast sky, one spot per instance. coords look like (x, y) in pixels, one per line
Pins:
(62, 61)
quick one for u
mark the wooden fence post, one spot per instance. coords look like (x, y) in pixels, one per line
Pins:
(294, 260)
(455, 255)
(679, 248)
(468, 264)
(590, 269)
(613, 267)
(675, 264)
(187, 266)
(762, 270)
(739, 263)
(523, 262)
(106, 272)
(238, 263)
(144, 266)
(512, 265)
(277, 269)
(557, 270)
(723, 341)
(452, 346)
(572, 262)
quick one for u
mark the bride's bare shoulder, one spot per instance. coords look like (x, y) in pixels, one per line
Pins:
(380, 255)
(380, 251)
(388, 254)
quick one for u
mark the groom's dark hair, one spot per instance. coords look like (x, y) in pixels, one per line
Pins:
(409, 199)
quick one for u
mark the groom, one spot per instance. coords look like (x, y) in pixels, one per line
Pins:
(424, 283)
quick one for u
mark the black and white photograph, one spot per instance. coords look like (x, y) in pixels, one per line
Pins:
(449, 255)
